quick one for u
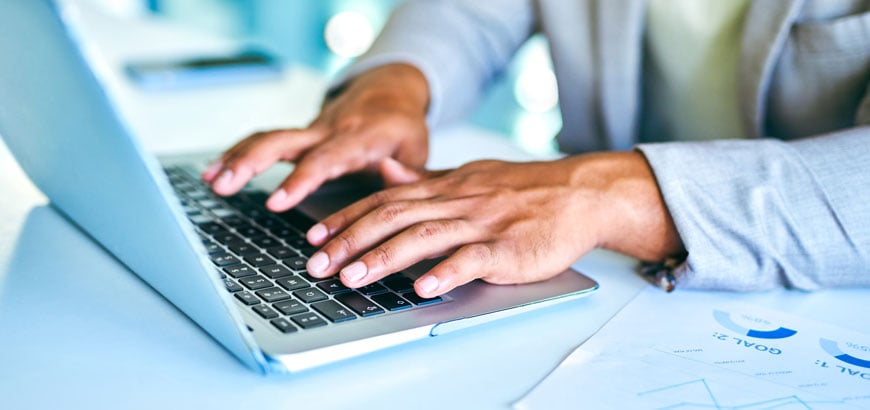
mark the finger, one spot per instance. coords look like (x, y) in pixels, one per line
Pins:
(216, 166)
(339, 156)
(470, 262)
(212, 170)
(258, 155)
(372, 229)
(395, 173)
(424, 240)
(321, 164)
(337, 222)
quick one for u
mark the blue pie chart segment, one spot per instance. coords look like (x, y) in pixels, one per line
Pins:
(833, 349)
(724, 319)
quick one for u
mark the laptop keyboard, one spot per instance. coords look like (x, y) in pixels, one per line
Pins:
(261, 258)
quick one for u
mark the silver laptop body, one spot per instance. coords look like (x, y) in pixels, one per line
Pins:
(62, 128)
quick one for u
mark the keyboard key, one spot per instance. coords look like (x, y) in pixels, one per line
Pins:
(224, 259)
(309, 295)
(399, 283)
(255, 212)
(297, 241)
(297, 263)
(283, 325)
(265, 311)
(283, 231)
(282, 252)
(210, 227)
(247, 298)
(421, 301)
(259, 260)
(239, 271)
(266, 242)
(308, 250)
(312, 279)
(359, 304)
(249, 231)
(200, 219)
(213, 248)
(226, 237)
(233, 221)
(290, 307)
(270, 222)
(333, 311)
(207, 203)
(308, 320)
(275, 271)
(232, 286)
(333, 287)
(273, 295)
(197, 194)
(372, 289)
(256, 282)
(243, 248)
(223, 212)
(292, 283)
(391, 301)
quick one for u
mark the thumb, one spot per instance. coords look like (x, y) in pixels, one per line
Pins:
(396, 173)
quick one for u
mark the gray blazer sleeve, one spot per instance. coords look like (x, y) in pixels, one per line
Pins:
(757, 214)
(459, 45)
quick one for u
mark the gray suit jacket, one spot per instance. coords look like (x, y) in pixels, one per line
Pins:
(790, 205)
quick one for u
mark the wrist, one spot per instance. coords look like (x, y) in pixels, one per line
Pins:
(632, 217)
(399, 84)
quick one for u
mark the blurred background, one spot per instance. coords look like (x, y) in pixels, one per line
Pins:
(325, 35)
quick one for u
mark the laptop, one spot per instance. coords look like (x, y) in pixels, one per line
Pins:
(234, 268)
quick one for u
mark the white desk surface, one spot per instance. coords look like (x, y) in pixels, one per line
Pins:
(78, 330)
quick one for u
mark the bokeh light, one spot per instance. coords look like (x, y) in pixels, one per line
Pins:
(535, 132)
(535, 88)
(349, 34)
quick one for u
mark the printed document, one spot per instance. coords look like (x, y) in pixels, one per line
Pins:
(703, 351)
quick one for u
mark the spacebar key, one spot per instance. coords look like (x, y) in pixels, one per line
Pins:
(359, 304)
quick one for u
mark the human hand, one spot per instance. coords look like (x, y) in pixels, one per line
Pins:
(501, 222)
(380, 114)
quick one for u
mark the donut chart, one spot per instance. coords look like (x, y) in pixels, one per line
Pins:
(833, 348)
(724, 319)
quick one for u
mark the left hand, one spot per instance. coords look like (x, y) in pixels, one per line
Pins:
(501, 222)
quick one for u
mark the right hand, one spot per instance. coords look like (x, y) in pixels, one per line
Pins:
(380, 114)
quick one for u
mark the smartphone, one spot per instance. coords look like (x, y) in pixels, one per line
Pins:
(243, 66)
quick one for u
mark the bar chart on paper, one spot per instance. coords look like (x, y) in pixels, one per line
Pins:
(714, 354)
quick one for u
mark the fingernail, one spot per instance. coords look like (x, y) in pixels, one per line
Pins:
(317, 233)
(318, 262)
(277, 198)
(354, 272)
(428, 284)
(224, 180)
(212, 170)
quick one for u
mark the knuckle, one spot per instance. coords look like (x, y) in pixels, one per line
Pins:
(429, 229)
(349, 123)
(380, 197)
(384, 255)
(482, 252)
(449, 271)
(390, 212)
(336, 221)
(344, 244)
